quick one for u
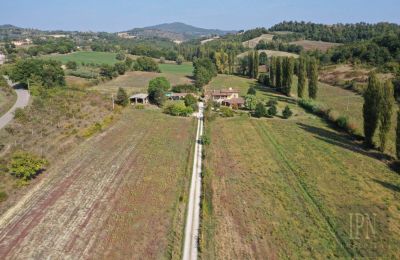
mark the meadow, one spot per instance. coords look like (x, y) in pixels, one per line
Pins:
(94, 57)
(138, 81)
(253, 42)
(315, 45)
(280, 188)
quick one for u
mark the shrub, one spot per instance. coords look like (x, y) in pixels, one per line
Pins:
(71, 65)
(25, 166)
(177, 109)
(251, 91)
(146, 64)
(120, 67)
(260, 110)
(139, 106)
(120, 56)
(272, 111)
(191, 101)
(205, 139)
(179, 60)
(226, 112)
(272, 102)
(184, 88)
(162, 60)
(287, 112)
(3, 196)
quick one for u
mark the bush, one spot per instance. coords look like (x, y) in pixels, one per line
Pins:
(184, 88)
(191, 101)
(177, 109)
(3, 196)
(260, 110)
(272, 102)
(287, 112)
(146, 64)
(25, 166)
(226, 112)
(205, 139)
(272, 111)
(251, 91)
(71, 65)
(179, 60)
(120, 56)
(120, 67)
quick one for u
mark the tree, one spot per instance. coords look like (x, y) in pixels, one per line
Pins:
(243, 66)
(250, 102)
(272, 71)
(191, 101)
(279, 73)
(250, 64)
(71, 65)
(162, 60)
(398, 135)
(122, 98)
(260, 110)
(120, 56)
(263, 58)
(146, 64)
(179, 60)
(251, 91)
(107, 71)
(256, 63)
(313, 79)
(204, 71)
(120, 67)
(287, 112)
(288, 69)
(156, 90)
(128, 63)
(221, 61)
(372, 96)
(385, 113)
(25, 165)
(272, 111)
(301, 86)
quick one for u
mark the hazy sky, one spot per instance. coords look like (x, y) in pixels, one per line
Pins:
(119, 15)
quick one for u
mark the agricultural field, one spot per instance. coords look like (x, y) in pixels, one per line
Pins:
(271, 53)
(94, 57)
(253, 42)
(122, 194)
(293, 191)
(137, 81)
(315, 45)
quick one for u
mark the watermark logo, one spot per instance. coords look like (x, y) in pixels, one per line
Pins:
(362, 226)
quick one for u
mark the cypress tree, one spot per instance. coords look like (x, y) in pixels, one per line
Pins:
(256, 64)
(272, 71)
(302, 74)
(385, 113)
(398, 135)
(371, 109)
(250, 64)
(289, 75)
(279, 75)
(313, 80)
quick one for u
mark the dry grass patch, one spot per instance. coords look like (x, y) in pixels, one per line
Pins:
(315, 45)
(253, 42)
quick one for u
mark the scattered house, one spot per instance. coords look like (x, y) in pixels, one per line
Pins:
(58, 36)
(22, 42)
(223, 95)
(234, 102)
(126, 35)
(2, 58)
(176, 96)
(141, 98)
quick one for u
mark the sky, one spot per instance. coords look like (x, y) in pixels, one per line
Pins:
(120, 15)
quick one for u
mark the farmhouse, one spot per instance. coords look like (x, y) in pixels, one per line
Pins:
(139, 98)
(223, 95)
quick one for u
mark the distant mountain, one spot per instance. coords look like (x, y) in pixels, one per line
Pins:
(176, 31)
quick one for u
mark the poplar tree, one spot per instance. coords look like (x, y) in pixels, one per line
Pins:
(279, 75)
(371, 109)
(272, 71)
(302, 74)
(385, 114)
(250, 64)
(256, 64)
(288, 75)
(313, 80)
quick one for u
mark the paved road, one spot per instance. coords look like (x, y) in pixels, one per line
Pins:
(22, 101)
(190, 250)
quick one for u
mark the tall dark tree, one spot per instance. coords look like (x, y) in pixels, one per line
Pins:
(256, 63)
(288, 68)
(122, 97)
(372, 96)
(250, 64)
(302, 75)
(279, 73)
(313, 79)
(385, 113)
(272, 72)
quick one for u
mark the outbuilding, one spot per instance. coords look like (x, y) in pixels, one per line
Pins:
(139, 98)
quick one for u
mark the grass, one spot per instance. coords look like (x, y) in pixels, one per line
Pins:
(138, 81)
(86, 57)
(315, 45)
(271, 53)
(288, 189)
(253, 42)
(7, 99)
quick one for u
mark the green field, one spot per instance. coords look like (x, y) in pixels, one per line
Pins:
(86, 57)
(186, 68)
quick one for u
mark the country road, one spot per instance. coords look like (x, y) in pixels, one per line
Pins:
(22, 101)
(190, 250)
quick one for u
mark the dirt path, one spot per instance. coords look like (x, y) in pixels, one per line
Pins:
(66, 215)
